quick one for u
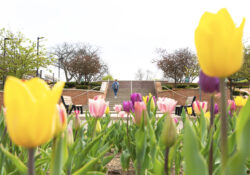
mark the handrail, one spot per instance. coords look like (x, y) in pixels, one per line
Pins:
(176, 92)
(85, 92)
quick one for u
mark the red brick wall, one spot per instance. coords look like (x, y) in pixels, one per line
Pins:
(180, 95)
(75, 94)
(81, 96)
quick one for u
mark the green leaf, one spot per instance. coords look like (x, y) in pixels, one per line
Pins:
(236, 165)
(125, 159)
(88, 166)
(203, 127)
(141, 140)
(59, 155)
(243, 129)
(95, 173)
(15, 160)
(195, 164)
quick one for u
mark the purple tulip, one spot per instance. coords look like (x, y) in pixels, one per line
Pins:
(128, 106)
(135, 97)
(208, 84)
(216, 108)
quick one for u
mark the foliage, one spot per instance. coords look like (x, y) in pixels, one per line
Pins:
(108, 77)
(21, 58)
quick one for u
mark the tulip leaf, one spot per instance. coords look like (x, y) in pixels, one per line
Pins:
(15, 160)
(95, 173)
(243, 129)
(141, 140)
(88, 166)
(192, 155)
(125, 159)
(59, 155)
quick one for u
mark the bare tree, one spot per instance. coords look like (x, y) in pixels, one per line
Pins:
(139, 75)
(87, 65)
(175, 65)
(65, 54)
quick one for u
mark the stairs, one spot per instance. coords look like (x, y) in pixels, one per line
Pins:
(143, 87)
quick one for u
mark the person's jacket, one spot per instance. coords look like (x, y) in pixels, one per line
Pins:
(114, 85)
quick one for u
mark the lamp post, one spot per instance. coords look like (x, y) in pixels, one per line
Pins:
(59, 67)
(38, 38)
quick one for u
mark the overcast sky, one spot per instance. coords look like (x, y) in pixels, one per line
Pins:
(127, 31)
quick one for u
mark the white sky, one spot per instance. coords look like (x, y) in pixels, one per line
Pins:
(127, 31)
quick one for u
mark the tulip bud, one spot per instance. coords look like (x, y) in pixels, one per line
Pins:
(128, 106)
(216, 108)
(61, 122)
(77, 122)
(107, 110)
(189, 110)
(70, 137)
(135, 97)
(122, 114)
(98, 126)
(140, 110)
(169, 133)
(232, 105)
(240, 101)
(118, 108)
(208, 84)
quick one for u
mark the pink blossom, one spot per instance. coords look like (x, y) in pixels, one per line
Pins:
(122, 114)
(175, 120)
(166, 105)
(232, 105)
(140, 109)
(118, 108)
(97, 107)
(197, 106)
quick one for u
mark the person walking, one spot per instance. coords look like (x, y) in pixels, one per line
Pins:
(115, 87)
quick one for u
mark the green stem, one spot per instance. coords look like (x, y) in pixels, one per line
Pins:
(211, 130)
(166, 161)
(31, 167)
(127, 132)
(223, 125)
(94, 130)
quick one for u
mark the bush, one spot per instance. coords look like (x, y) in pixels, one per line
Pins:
(181, 86)
(193, 85)
(84, 83)
(236, 93)
(93, 84)
(244, 93)
(70, 84)
(79, 86)
(166, 87)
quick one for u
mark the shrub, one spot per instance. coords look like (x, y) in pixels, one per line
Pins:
(70, 84)
(181, 86)
(93, 84)
(79, 86)
(236, 93)
(84, 83)
(193, 85)
(166, 87)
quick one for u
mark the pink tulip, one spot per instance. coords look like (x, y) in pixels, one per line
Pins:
(166, 105)
(140, 109)
(197, 106)
(175, 120)
(122, 114)
(97, 107)
(232, 105)
(118, 108)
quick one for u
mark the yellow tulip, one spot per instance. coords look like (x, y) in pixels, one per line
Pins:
(240, 101)
(207, 115)
(189, 110)
(31, 110)
(107, 110)
(219, 44)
